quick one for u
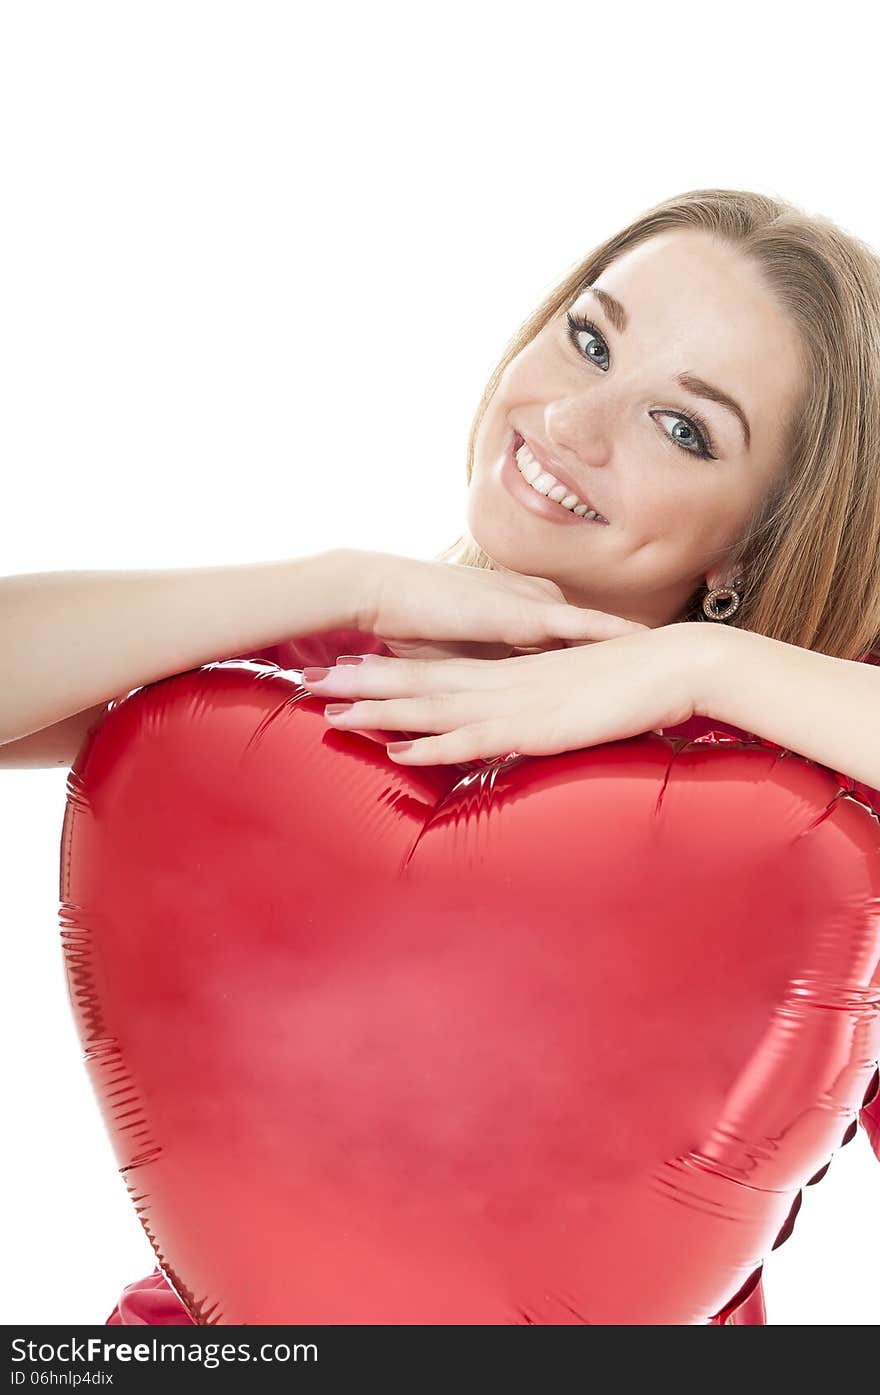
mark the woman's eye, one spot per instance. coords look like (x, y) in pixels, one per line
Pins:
(693, 440)
(577, 326)
(689, 438)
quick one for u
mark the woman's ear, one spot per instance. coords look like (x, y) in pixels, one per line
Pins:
(716, 577)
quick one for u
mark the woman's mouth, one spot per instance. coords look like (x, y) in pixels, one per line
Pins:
(528, 480)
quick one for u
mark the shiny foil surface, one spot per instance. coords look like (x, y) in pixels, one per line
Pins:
(553, 1040)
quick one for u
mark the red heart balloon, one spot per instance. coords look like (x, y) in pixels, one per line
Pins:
(558, 1040)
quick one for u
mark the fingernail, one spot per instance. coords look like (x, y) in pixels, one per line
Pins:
(314, 675)
(350, 659)
(396, 746)
(333, 709)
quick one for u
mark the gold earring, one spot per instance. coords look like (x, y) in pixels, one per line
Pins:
(722, 601)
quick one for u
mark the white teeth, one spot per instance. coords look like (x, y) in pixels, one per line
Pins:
(548, 485)
(528, 465)
(544, 483)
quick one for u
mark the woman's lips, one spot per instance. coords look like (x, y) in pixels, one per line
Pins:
(537, 503)
(555, 470)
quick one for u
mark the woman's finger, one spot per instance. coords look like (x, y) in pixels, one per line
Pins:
(549, 622)
(378, 676)
(575, 622)
(546, 648)
(441, 712)
(484, 740)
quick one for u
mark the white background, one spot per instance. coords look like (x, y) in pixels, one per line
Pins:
(258, 261)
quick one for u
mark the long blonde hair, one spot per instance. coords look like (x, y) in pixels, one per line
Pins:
(811, 550)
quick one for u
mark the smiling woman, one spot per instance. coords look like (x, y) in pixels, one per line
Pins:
(708, 379)
(696, 403)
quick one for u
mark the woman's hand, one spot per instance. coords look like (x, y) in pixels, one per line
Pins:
(441, 610)
(534, 704)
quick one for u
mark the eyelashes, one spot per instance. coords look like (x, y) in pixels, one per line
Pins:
(577, 324)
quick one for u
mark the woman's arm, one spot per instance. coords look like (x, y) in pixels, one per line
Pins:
(51, 746)
(72, 640)
(823, 708)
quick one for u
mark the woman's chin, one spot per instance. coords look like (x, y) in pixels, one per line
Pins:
(501, 548)
(505, 539)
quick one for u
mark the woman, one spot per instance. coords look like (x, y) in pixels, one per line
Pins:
(686, 430)
(757, 471)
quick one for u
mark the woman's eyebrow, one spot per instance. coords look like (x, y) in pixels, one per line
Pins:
(620, 320)
(612, 307)
(714, 394)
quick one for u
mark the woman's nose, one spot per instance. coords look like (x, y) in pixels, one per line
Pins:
(580, 432)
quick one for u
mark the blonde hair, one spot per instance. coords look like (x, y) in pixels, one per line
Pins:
(810, 551)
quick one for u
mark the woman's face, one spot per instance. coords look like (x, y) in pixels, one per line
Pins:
(606, 415)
